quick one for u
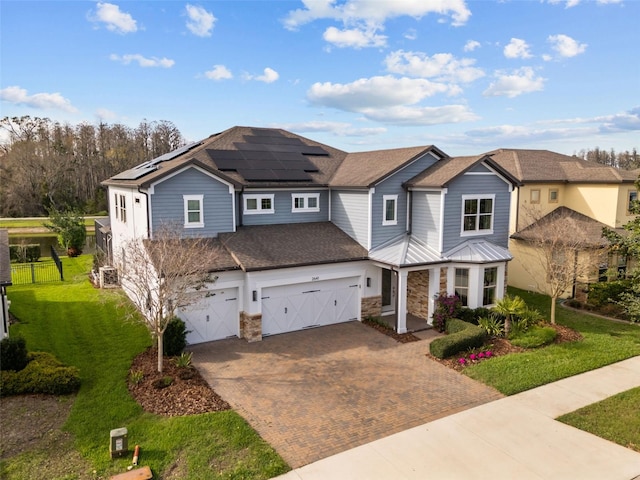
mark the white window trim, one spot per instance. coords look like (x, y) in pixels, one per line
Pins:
(122, 207)
(306, 197)
(200, 199)
(385, 199)
(258, 198)
(477, 232)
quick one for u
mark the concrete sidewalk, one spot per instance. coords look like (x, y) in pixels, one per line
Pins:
(514, 437)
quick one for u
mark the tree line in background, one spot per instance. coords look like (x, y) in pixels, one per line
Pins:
(627, 160)
(45, 164)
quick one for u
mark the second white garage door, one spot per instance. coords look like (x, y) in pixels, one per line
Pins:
(295, 307)
(213, 317)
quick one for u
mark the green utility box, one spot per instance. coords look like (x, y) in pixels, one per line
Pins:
(119, 443)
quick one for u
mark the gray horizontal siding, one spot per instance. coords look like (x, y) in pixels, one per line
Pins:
(167, 204)
(426, 217)
(471, 185)
(282, 207)
(393, 186)
(350, 212)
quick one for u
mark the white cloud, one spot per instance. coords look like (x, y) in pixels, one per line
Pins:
(19, 96)
(520, 81)
(407, 115)
(341, 129)
(566, 46)
(269, 76)
(200, 21)
(411, 34)
(441, 66)
(568, 3)
(375, 92)
(354, 37)
(114, 19)
(103, 114)
(352, 11)
(517, 48)
(627, 121)
(389, 99)
(471, 45)
(142, 61)
(219, 72)
(362, 20)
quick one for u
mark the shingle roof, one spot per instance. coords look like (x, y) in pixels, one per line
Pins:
(264, 247)
(584, 230)
(5, 259)
(442, 172)
(231, 140)
(365, 169)
(546, 166)
(219, 259)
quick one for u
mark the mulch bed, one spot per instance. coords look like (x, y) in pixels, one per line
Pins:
(501, 346)
(390, 332)
(188, 393)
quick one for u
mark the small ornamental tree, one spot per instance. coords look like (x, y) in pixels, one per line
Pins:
(165, 273)
(628, 245)
(446, 307)
(70, 229)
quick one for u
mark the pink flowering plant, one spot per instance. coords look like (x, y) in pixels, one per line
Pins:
(475, 358)
(447, 307)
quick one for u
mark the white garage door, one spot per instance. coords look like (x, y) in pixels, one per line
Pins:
(294, 307)
(213, 317)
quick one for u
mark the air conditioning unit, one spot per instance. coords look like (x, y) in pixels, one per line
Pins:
(108, 277)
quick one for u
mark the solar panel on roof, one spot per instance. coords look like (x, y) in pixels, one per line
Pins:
(255, 174)
(135, 173)
(175, 153)
(264, 140)
(224, 154)
(312, 150)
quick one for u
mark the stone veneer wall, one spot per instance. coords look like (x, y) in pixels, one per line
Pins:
(251, 327)
(371, 306)
(418, 294)
(443, 279)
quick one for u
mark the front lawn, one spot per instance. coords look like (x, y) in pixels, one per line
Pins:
(605, 342)
(85, 327)
(615, 418)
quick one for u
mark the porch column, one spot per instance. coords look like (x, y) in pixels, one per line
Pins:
(434, 290)
(402, 301)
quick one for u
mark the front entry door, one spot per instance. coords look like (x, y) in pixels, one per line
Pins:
(389, 283)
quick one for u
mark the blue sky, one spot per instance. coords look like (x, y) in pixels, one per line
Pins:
(467, 76)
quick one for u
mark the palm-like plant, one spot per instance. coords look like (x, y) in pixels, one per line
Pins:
(509, 307)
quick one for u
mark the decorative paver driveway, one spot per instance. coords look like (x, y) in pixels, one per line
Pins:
(314, 393)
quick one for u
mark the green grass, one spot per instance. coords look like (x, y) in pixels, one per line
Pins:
(615, 418)
(605, 342)
(34, 222)
(85, 327)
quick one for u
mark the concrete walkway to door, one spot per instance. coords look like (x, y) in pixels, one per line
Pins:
(314, 393)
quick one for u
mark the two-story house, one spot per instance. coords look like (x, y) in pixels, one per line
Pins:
(556, 188)
(311, 235)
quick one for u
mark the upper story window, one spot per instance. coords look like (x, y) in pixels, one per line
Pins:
(258, 204)
(120, 207)
(477, 214)
(193, 211)
(632, 199)
(553, 195)
(535, 196)
(390, 215)
(305, 202)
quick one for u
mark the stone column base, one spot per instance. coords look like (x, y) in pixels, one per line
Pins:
(251, 327)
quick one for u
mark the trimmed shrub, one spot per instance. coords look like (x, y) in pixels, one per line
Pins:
(603, 293)
(473, 315)
(43, 374)
(534, 337)
(13, 353)
(175, 338)
(461, 336)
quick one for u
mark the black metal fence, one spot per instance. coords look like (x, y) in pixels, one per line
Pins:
(38, 272)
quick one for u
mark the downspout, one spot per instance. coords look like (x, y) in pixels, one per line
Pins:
(409, 211)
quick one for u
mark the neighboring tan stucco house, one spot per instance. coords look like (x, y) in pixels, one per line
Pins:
(310, 235)
(555, 187)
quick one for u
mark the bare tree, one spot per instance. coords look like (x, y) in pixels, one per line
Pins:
(563, 247)
(165, 273)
